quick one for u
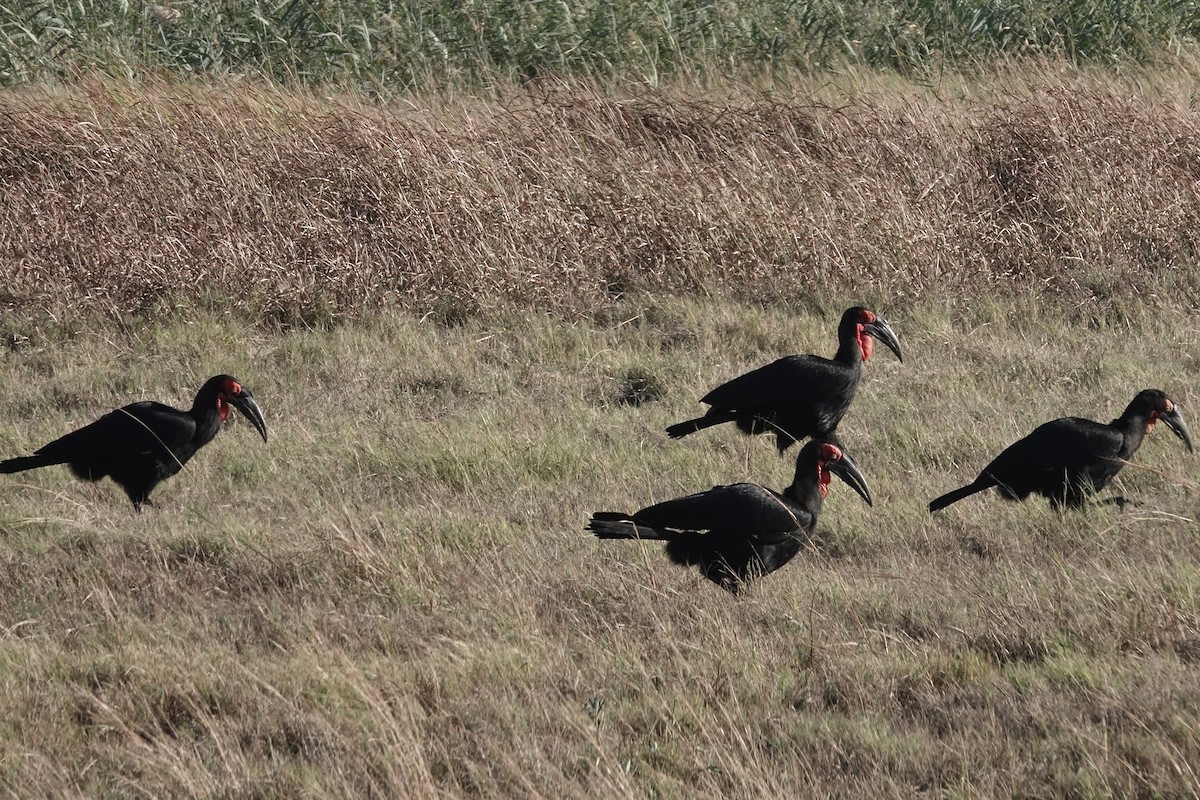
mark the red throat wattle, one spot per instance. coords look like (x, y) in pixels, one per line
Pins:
(232, 388)
(865, 343)
(823, 478)
(828, 453)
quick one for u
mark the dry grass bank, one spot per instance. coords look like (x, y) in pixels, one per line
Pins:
(121, 200)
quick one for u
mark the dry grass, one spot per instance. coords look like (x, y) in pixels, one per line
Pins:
(395, 597)
(125, 200)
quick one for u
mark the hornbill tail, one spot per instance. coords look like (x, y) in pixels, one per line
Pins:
(681, 429)
(958, 494)
(23, 463)
(714, 417)
(615, 525)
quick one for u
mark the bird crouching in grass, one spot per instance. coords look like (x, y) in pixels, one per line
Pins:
(1069, 460)
(141, 444)
(736, 533)
(798, 396)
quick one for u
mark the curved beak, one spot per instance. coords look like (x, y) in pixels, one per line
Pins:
(244, 403)
(1175, 421)
(848, 471)
(882, 331)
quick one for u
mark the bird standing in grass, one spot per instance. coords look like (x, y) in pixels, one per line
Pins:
(801, 395)
(1070, 459)
(739, 532)
(141, 444)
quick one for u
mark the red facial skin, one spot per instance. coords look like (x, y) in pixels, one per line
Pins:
(824, 476)
(865, 342)
(1150, 423)
(231, 388)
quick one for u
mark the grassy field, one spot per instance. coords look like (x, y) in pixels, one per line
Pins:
(468, 323)
(1077, 188)
(396, 596)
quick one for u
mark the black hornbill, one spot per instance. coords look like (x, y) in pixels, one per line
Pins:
(740, 532)
(141, 444)
(1067, 460)
(797, 396)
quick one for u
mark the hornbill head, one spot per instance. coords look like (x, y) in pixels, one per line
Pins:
(868, 324)
(233, 393)
(1160, 407)
(833, 460)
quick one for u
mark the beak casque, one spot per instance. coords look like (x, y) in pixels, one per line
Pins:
(249, 409)
(848, 471)
(882, 331)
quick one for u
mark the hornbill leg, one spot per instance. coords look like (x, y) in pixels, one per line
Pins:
(1120, 501)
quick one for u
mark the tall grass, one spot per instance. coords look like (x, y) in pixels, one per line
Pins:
(122, 199)
(388, 47)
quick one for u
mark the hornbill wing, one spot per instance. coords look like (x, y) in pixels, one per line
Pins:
(168, 428)
(145, 428)
(1070, 445)
(788, 381)
(738, 508)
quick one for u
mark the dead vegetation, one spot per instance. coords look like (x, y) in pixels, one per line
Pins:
(121, 200)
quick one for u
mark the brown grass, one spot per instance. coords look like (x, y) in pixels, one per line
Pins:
(119, 199)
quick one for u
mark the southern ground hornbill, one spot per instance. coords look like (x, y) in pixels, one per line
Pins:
(739, 532)
(141, 444)
(797, 396)
(1068, 460)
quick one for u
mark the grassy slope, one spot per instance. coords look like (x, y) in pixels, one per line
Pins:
(299, 208)
(396, 594)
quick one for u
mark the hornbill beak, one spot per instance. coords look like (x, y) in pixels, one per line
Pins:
(1175, 421)
(848, 471)
(244, 403)
(882, 331)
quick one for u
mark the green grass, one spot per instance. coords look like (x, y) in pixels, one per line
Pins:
(389, 48)
(396, 594)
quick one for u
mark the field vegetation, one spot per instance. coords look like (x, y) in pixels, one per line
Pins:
(468, 319)
(395, 596)
(296, 208)
(382, 48)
